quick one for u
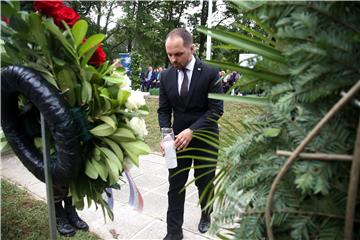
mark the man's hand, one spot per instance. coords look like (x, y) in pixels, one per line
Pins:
(183, 139)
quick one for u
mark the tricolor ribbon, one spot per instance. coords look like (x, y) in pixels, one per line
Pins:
(110, 198)
(135, 198)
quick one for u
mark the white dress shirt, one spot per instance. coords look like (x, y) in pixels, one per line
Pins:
(189, 70)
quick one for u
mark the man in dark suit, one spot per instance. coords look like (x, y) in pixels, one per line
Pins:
(184, 92)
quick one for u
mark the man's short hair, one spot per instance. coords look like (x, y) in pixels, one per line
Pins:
(183, 33)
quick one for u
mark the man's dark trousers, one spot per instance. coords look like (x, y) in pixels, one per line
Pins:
(176, 199)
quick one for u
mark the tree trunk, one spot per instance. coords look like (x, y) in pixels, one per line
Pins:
(98, 5)
(181, 10)
(108, 17)
(131, 34)
(204, 16)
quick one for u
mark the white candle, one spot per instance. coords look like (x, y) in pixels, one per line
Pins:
(170, 154)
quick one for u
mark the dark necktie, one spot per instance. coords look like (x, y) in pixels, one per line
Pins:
(184, 86)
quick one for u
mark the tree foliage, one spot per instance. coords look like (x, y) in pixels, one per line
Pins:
(310, 53)
(142, 26)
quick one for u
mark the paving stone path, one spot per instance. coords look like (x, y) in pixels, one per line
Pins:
(151, 179)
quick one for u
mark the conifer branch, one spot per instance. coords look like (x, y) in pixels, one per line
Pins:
(300, 212)
(353, 189)
(317, 156)
(298, 150)
(311, 6)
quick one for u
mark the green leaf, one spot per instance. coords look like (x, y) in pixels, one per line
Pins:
(73, 191)
(12, 52)
(4, 146)
(101, 169)
(86, 92)
(9, 8)
(261, 74)
(123, 134)
(226, 47)
(58, 34)
(14, 4)
(67, 81)
(92, 75)
(115, 147)
(256, 34)
(19, 24)
(91, 42)
(249, 5)
(97, 154)
(120, 70)
(263, 25)
(6, 29)
(272, 132)
(90, 170)
(253, 46)
(106, 69)
(106, 93)
(44, 72)
(58, 61)
(6, 60)
(79, 31)
(143, 110)
(114, 165)
(134, 149)
(80, 204)
(137, 147)
(109, 121)
(107, 105)
(114, 80)
(102, 130)
(259, 101)
(86, 57)
(112, 157)
(37, 30)
(123, 96)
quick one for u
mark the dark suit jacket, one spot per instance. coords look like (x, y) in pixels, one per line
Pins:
(197, 111)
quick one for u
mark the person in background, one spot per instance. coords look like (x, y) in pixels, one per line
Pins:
(156, 82)
(183, 97)
(150, 84)
(146, 80)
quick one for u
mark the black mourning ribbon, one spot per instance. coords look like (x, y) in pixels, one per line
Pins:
(184, 86)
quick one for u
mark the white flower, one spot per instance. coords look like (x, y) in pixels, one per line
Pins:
(126, 85)
(135, 100)
(138, 125)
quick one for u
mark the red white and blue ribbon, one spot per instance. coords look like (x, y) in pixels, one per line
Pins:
(110, 198)
(135, 198)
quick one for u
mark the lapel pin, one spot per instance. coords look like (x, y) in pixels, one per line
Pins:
(199, 69)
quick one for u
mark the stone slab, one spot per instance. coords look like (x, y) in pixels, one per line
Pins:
(150, 178)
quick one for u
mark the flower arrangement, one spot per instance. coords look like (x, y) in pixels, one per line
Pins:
(52, 40)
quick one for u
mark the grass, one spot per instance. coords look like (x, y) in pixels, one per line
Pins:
(233, 112)
(24, 217)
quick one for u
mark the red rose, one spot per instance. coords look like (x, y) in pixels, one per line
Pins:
(64, 13)
(98, 58)
(46, 7)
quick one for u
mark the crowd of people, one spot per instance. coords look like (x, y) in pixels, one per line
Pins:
(150, 78)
